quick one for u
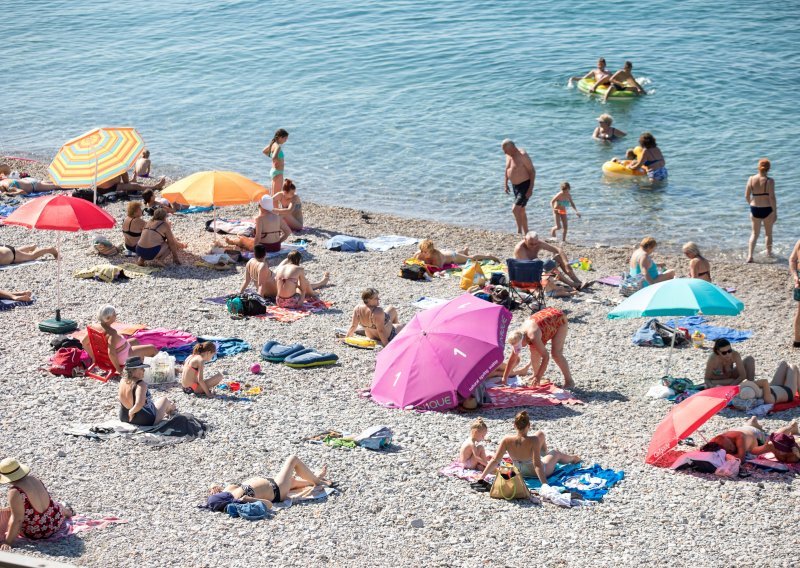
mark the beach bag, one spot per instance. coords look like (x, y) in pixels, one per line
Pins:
(88, 195)
(375, 438)
(66, 362)
(412, 271)
(631, 284)
(509, 484)
(471, 276)
(161, 370)
(245, 305)
(498, 279)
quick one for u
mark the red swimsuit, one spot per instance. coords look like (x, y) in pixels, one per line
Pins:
(549, 320)
(40, 525)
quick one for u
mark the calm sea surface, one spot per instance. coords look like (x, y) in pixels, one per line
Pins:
(400, 106)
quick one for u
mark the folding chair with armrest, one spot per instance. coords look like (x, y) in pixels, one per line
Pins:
(526, 275)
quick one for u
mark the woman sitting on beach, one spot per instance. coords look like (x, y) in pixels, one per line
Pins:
(545, 326)
(651, 159)
(605, 131)
(293, 286)
(157, 241)
(529, 453)
(378, 324)
(18, 255)
(24, 186)
(642, 263)
(122, 185)
(289, 205)
(294, 474)
(119, 348)
(136, 405)
(33, 513)
(271, 230)
(193, 378)
(699, 267)
(132, 225)
(760, 195)
(431, 256)
(726, 366)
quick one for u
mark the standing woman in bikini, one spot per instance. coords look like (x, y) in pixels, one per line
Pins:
(760, 195)
(274, 151)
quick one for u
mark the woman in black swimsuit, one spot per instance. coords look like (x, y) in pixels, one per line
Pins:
(17, 255)
(293, 475)
(157, 240)
(132, 225)
(699, 267)
(378, 324)
(760, 195)
(136, 405)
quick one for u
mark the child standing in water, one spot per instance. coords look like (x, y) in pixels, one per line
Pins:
(472, 454)
(559, 204)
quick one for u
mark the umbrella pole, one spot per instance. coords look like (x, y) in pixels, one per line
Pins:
(669, 357)
(95, 177)
(58, 277)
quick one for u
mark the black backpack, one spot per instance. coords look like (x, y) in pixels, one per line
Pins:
(246, 305)
(413, 272)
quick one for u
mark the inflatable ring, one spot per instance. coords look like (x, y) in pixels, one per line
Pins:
(360, 342)
(585, 84)
(615, 169)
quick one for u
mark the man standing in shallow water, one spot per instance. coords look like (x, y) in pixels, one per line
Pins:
(522, 175)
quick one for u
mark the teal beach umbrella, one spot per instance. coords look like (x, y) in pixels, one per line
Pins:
(678, 297)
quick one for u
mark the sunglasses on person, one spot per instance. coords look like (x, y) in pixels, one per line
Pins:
(727, 352)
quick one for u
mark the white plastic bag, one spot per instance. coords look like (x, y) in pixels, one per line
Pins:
(162, 369)
(730, 468)
(660, 391)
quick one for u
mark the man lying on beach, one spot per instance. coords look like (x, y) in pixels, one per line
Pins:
(122, 184)
(623, 80)
(258, 272)
(529, 249)
(429, 254)
(292, 285)
(601, 76)
(18, 255)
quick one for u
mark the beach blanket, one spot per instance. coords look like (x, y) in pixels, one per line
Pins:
(134, 270)
(458, 471)
(425, 302)
(768, 461)
(388, 242)
(6, 305)
(126, 329)
(163, 338)
(74, 525)
(180, 428)
(712, 333)
(6, 210)
(610, 280)
(232, 227)
(781, 406)
(102, 272)
(21, 264)
(285, 315)
(544, 395)
(592, 483)
(345, 243)
(488, 266)
(196, 209)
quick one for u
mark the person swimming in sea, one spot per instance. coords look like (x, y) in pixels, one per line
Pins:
(605, 131)
(600, 74)
(559, 203)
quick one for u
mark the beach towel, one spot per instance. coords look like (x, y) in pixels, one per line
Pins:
(232, 227)
(425, 302)
(134, 270)
(458, 471)
(488, 266)
(102, 272)
(544, 395)
(6, 305)
(6, 210)
(126, 329)
(768, 461)
(610, 280)
(180, 428)
(388, 242)
(196, 209)
(74, 525)
(204, 264)
(306, 495)
(286, 315)
(219, 300)
(712, 333)
(226, 346)
(21, 264)
(781, 406)
(163, 338)
(345, 243)
(592, 483)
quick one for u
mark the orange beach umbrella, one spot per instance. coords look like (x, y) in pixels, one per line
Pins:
(214, 188)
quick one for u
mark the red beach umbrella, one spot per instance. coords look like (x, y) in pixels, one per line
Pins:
(60, 213)
(686, 417)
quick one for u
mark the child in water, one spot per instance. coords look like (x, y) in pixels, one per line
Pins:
(142, 167)
(472, 454)
(559, 204)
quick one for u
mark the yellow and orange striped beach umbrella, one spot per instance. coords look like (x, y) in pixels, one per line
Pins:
(96, 157)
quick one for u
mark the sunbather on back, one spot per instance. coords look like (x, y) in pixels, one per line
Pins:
(293, 475)
(529, 453)
(193, 378)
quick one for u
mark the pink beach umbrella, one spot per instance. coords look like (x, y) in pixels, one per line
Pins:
(443, 352)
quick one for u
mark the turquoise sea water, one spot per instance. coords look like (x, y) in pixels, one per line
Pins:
(400, 106)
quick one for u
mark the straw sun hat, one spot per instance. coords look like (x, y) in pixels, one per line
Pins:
(11, 470)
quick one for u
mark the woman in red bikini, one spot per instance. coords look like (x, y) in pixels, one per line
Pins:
(33, 513)
(547, 325)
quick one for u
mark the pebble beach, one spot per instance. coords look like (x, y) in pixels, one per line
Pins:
(393, 508)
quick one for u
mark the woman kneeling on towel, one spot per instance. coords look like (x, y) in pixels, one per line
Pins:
(136, 406)
(547, 325)
(293, 475)
(529, 453)
(32, 513)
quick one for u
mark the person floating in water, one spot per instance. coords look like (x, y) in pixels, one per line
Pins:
(623, 80)
(601, 76)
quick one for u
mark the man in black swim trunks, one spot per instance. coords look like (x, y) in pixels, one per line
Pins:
(522, 175)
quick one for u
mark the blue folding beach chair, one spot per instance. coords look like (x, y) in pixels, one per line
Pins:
(526, 275)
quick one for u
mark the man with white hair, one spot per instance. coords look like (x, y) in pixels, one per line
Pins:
(529, 249)
(522, 175)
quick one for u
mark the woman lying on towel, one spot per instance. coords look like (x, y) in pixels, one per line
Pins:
(119, 347)
(293, 286)
(136, 405)
(32, 513)
(379, 324)
(12, 255)
(430, 255)
(193, 380)
(24, 186)
(293, 475)
(529, 453)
